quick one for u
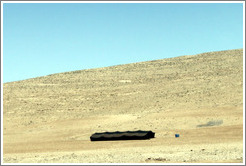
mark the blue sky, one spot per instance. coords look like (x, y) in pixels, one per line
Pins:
(41, 39)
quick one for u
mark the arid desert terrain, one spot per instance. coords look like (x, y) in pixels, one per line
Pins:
(50, 119)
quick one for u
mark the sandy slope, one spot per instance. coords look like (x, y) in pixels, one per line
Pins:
(50, 119)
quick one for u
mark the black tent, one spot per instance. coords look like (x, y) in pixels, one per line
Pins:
(125, 135)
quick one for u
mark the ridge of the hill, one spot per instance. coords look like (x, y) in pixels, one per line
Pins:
(212, 79)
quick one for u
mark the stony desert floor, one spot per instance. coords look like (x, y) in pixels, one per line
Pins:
(50, 119)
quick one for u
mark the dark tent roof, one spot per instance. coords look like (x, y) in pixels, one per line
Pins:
(125, 135)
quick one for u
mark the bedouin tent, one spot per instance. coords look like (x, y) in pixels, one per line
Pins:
(125, 135)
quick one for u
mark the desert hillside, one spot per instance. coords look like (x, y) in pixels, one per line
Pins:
(50, 119)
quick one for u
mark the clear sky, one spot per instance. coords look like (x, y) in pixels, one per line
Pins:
(42, 39)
